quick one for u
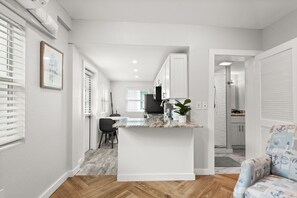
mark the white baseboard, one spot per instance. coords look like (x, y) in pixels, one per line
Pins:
(74, 171)
(77, 168)
(202, 171)
(61, 180)
(55, 185)
(156, 177)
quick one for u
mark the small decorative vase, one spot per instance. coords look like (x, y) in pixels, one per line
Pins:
(182, 119)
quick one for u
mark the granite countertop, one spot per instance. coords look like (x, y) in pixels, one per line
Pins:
(154, 122)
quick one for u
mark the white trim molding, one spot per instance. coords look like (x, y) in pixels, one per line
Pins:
(155, 177)
(212, 54)
(202, 171)
(48, 192)
(76, 168)
(55, 185)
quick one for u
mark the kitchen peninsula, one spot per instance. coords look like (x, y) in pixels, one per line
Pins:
(151, 149)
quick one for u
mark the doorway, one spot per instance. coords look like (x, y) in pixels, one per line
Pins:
(229, 104)
(227, 110)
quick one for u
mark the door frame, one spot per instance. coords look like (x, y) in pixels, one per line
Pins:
(211, 115)
(93, 119)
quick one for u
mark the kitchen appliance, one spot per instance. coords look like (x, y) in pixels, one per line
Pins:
(152, 106)
(158, 93)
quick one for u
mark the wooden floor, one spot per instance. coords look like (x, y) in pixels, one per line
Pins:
(220, 186)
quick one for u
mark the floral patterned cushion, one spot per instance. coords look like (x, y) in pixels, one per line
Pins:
(272, 186)
(251, 171)
(282, 147)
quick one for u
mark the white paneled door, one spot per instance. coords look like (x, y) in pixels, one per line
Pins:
(274, 93)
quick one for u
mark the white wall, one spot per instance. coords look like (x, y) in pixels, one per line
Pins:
(77, 113)
(119, 94)
(99, 80)
(79, 121)
(199, 38)
(220, 109)
(46, 153)
(281, 31)
(238, 88)
(27, 170)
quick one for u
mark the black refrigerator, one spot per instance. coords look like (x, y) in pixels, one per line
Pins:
(152, 106)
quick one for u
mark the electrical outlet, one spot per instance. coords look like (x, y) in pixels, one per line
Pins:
(198, 105)
(204, 105)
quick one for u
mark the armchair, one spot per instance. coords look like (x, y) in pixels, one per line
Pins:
(275, 173)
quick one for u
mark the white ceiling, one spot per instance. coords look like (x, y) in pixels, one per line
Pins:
(115, 61)
(227, 13)
(228, 58)
(237, 62)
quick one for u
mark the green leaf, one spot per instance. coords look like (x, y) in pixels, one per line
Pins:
(179, 105)
(187, 101)
(183, 108)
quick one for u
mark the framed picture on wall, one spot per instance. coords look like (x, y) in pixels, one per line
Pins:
(51, 67)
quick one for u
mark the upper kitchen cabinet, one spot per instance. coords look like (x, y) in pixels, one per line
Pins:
(173, 77)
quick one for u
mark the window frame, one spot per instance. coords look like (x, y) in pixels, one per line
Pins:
(141, 100)
(104, 99)
(16, 55)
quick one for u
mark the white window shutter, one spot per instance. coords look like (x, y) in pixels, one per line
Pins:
(88, 93)
(12, 81)
(277, 86)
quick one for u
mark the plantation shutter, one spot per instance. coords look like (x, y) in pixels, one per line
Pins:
(12, 81)
(88, 93)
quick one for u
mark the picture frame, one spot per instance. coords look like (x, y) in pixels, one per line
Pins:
(51, 67)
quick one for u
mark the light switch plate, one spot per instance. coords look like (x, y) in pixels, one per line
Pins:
(198, 105)
(204, 105)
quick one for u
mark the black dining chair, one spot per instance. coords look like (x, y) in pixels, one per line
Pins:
(106, 128)
(115, 115)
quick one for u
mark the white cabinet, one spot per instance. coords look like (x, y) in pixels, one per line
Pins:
(167, 79)
(173, 77)
(157, 81)
(162, 81)
(178, 76)
(238, 130)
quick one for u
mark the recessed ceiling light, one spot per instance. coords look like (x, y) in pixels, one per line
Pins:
(135, 70)
(136, 76)
(134, 61)
(225, 63)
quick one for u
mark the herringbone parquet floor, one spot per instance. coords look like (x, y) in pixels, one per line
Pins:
(219, 186)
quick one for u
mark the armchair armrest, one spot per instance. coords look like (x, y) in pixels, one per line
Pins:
(251, 171)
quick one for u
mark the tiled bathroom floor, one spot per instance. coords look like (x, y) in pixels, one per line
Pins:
(238, 155)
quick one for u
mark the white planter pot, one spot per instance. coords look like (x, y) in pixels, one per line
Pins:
(182, 119)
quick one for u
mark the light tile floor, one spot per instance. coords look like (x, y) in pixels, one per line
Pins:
(103, 161)
(238, 155)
